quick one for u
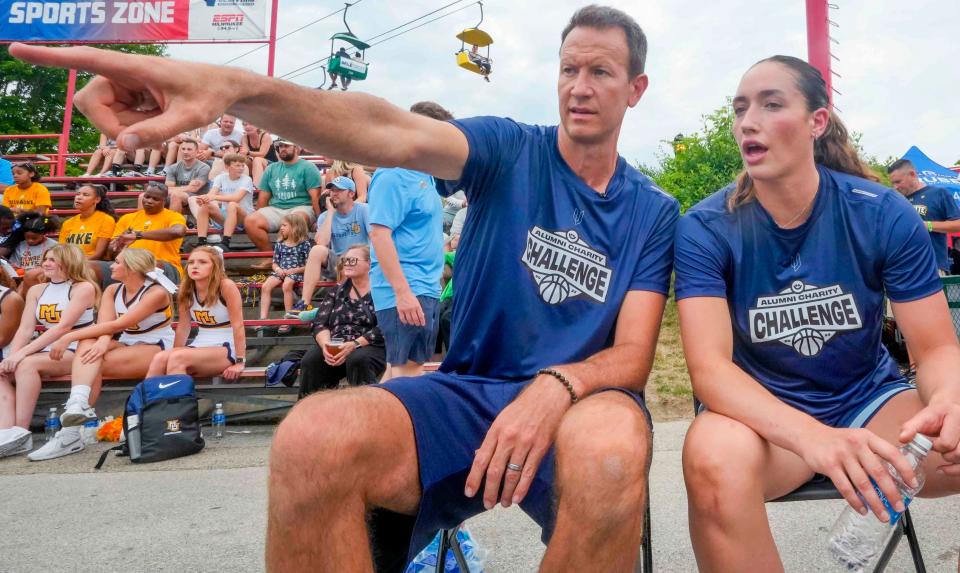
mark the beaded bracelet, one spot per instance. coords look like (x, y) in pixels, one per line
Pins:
(563, 380)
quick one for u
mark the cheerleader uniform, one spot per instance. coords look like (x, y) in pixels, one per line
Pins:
(215, 328)
(53, 303)
(154, 329)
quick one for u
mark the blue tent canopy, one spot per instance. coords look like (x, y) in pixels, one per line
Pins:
(932, 173)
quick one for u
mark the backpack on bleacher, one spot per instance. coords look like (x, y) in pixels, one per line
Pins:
(161, 421)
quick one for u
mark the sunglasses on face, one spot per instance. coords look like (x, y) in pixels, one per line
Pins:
(351, 261)
(222, 147)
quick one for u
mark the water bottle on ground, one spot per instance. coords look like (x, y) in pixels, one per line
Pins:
(219, 421)
(88, 432)
(52, 424)
(857, 539)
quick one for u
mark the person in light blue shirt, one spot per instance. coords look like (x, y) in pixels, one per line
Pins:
(6, 173)
(406, 233)
(335, 235)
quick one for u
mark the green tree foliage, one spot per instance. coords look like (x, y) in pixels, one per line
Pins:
(32, 101)
(702, 162)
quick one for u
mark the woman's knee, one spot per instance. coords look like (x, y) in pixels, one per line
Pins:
(177, 360)
(722, 460)
(288, 284)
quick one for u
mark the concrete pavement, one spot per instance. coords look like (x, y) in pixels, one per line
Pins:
(208, 513)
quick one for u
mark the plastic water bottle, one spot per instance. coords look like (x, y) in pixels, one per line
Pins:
(219, 421)
(88, 433)
(52, 424)
(856, 539)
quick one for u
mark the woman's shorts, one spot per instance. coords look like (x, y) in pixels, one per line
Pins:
(163, 338)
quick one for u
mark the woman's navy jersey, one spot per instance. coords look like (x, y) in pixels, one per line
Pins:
(807, 303)
(544, 261)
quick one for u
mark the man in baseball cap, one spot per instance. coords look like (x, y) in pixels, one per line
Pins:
(345, 228)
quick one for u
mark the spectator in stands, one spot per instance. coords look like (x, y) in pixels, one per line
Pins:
(138, 307)
(406, 232)
(347, 226)
(228, 147)
(188, 177)
(346, 315)
(152, 162)
(27, 194)
(229, 201)
(227, 129)
(63, 303)
(104, 152)
(153, 228)
(257, 146)
(173, 147)
(790, 396)
(206, 297)
(28, 254)
(11, 307)
(6, 173)
(446, 295)
(289, 259)
(451, 206)
(7, 222)
(291, 185)
(92, 228)
(935, 205)
(354, 171)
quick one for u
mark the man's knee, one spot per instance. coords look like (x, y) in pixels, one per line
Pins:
(605, 441)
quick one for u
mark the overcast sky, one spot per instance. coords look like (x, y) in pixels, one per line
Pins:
(899, 62)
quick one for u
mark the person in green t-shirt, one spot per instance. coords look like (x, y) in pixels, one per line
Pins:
(291, 185)
(446, 295)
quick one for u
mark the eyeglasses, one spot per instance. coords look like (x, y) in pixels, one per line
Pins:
(351, 261)
(222, 147)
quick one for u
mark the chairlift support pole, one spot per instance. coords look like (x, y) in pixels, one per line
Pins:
(818, 40)
(64, 143)
(272, 56)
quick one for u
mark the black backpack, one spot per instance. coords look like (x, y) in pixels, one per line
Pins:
(160, 421)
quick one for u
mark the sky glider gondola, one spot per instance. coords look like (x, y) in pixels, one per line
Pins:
(472, 59)
(343, 65)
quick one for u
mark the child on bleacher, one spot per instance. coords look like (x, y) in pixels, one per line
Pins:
(229, 201)
(289, 260)
(11, 307)
(27, 194)
(208, 298)
(93, 227)
(28, 253)
(65, 302)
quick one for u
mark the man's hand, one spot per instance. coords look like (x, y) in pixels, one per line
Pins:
(409, 309)
(521, 435)
(140, 100)
(204, 154)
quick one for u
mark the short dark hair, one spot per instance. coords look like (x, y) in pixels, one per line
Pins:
(431, 109)
(190, 140)
(6, 212)
(900, 164)
(605, 17)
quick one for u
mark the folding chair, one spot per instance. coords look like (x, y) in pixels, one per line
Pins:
(448, 540)
(821, 488)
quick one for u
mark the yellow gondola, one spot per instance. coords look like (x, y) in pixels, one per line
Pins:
(472, 60)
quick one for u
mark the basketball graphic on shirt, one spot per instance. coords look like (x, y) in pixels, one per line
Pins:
(564, 266)
(804, 316)
(808, 342)
(554, 289)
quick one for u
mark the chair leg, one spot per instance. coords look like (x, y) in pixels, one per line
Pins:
(442, 551)
(458, 551)
(646, 549)
(890, 548)
(911, 532)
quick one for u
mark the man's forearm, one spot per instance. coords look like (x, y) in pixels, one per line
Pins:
(624, 366)
(169, 234)
(945, 226)
(389, 261)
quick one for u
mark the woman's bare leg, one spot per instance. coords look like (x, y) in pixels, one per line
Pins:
(211, 361)
(30, 374)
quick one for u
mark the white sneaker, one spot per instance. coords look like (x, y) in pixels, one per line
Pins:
(67, 441)
(76, 414)
(13, 439)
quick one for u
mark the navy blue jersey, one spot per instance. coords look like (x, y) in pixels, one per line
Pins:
(936, 204)
(544, 261)
(807, 303)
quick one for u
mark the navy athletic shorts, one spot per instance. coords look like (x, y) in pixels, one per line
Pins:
(451, 414)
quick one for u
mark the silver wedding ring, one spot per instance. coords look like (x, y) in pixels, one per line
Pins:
(514, 467)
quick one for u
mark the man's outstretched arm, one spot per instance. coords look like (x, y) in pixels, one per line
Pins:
(143, 100)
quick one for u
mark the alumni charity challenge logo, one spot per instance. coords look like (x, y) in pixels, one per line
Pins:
(804, 317)
(565, 266)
